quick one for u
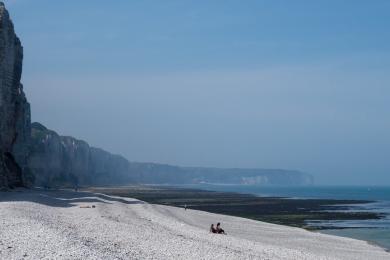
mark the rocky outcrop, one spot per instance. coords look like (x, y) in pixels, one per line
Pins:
(14, 108)
(65, 161)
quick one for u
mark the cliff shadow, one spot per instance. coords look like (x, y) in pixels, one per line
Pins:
(61, 198)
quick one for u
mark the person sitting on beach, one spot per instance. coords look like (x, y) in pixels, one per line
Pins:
(213, 229)
(219, 229)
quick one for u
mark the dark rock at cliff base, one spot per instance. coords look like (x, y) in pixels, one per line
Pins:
(14, 108)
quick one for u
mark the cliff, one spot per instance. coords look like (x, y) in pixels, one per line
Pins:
(33, 150)
(153, 173)
(14, 108)
(65, 161)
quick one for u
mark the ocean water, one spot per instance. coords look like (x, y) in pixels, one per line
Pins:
(375, 193)
(374, 231)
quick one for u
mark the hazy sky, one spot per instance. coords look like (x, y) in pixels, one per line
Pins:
(272, 84)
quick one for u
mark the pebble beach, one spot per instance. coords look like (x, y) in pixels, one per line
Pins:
(37, 224)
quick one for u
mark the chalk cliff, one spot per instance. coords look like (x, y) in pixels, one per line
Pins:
(65, 161)
(14, 108)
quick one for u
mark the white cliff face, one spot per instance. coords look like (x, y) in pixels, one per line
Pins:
(58, 161)
(14, 108)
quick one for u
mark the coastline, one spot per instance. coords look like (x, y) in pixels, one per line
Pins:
(65, 224)
(178, 197)
(277, 210)
(346, 233)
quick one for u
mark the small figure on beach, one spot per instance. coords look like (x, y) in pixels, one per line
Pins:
(185, 206)
(213, 229)
(219, 229)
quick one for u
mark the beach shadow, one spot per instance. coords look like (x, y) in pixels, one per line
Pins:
(61, 198)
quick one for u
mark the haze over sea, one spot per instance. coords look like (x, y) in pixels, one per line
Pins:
(376, 231)
(100, 93)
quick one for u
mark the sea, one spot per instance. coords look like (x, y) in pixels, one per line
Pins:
(373, 231)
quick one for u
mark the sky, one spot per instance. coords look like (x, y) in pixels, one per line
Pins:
(300, 85)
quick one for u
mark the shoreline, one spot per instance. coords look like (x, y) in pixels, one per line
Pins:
(277, 210)
(143, 192)
(66, 224)
(369, 241)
